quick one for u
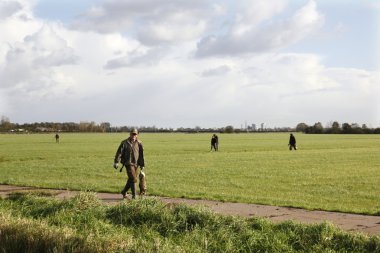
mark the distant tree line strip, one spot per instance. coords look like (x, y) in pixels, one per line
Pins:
(336, 128)
(6, 126)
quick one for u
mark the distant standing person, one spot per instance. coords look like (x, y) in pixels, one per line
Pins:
(214, 142)
(292, 142)
(57, 138)
(131, 154)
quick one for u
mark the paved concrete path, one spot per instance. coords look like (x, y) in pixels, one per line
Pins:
(350, 222)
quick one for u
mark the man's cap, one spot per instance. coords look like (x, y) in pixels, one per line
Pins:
(134, 131)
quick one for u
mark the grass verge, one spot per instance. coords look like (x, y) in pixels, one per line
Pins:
(39, 223)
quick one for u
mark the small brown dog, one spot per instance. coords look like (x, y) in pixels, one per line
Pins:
(142, 183)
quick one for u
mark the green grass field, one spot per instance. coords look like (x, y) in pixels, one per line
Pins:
(328, 172)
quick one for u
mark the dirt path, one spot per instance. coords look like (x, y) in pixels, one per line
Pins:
(351, 222)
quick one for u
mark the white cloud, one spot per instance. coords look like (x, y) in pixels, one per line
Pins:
(256, 39)
(251, 13)
(152, 21)
(29, 51)
(173, 29)
(49, 49)
(29, 64)
(15, 26)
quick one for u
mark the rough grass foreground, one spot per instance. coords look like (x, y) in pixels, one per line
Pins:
(39, 223)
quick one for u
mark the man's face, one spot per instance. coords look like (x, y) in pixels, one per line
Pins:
(133, 136)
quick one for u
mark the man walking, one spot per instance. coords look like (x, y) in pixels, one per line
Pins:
(131, 154)
(292, 142)
(214, 142)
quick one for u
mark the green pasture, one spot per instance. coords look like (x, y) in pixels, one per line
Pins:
(328, 172)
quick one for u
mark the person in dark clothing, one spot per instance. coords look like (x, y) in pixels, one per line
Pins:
(292, 142)
(131, 154)
(214, 142)
(57, 138)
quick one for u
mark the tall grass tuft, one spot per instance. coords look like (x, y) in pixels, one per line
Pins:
(39, 223)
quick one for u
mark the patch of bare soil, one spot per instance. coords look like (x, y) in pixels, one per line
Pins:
(350, 222)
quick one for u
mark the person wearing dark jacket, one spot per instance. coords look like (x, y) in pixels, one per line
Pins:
(131, 154)
(214, 142)
(292, 142)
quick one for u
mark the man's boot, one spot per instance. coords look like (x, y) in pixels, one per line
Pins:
(125, 190)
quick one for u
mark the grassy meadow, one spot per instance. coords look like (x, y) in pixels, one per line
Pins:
(328, 172)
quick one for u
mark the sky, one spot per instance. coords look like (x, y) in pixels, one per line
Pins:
(181, 63)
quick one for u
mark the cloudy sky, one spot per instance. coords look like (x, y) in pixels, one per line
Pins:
(173, 63)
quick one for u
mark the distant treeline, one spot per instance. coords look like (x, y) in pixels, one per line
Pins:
(336, 128)
(105, 127)
(7, 126)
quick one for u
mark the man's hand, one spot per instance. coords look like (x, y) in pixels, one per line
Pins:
(115, 165)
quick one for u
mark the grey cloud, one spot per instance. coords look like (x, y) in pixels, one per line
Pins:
(119, 62)
(65, 56)
(144, 17)
(8, 8)
(133, 59)
(16, 69)
(264, 38)
(216, 71)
